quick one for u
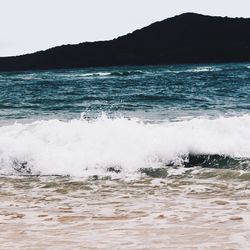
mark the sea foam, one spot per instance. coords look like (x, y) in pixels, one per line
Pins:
(86, 147)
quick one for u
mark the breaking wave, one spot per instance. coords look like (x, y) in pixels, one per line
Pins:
(94, 147)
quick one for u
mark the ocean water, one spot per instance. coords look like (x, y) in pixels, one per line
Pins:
(126, 158)
(125, 120)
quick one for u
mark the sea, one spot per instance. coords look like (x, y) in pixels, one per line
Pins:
(144, 157)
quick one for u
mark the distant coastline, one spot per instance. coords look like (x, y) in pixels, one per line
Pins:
(187, 38)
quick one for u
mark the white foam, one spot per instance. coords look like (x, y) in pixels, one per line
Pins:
(204, 69)
(196, 70)
(82, 147)
(100, 74)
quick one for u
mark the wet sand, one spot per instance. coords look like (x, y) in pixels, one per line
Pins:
(146, 213)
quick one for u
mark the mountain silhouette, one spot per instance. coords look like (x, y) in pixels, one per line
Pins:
(186, 38)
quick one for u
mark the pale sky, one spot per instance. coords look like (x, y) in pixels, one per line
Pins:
(31, 25)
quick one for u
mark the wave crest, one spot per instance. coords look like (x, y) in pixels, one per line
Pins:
(86, 147)
(114, 73)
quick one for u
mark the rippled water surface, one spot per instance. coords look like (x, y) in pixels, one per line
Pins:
(147, 92)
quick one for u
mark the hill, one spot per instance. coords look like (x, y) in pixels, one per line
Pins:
(187, 38)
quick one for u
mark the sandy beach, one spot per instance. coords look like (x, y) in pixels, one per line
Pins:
(144, 213)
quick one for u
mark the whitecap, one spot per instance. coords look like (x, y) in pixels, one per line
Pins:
(86, 147)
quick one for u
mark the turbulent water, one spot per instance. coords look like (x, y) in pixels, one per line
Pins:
(126, 158)
(125, 120)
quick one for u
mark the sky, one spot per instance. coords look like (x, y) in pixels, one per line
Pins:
(30, 25)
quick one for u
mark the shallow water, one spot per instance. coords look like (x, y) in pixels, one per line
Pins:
(147, 213)
(126, 158)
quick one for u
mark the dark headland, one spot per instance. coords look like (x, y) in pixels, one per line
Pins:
(187, 38)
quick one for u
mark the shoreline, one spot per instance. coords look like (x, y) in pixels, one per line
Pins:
(147, 213)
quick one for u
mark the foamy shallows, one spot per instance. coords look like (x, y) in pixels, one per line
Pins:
(123, 146)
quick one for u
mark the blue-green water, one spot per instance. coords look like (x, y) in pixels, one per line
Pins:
(148, 92)
(84, 120)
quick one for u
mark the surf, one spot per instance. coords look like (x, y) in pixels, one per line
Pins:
(83, 147)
